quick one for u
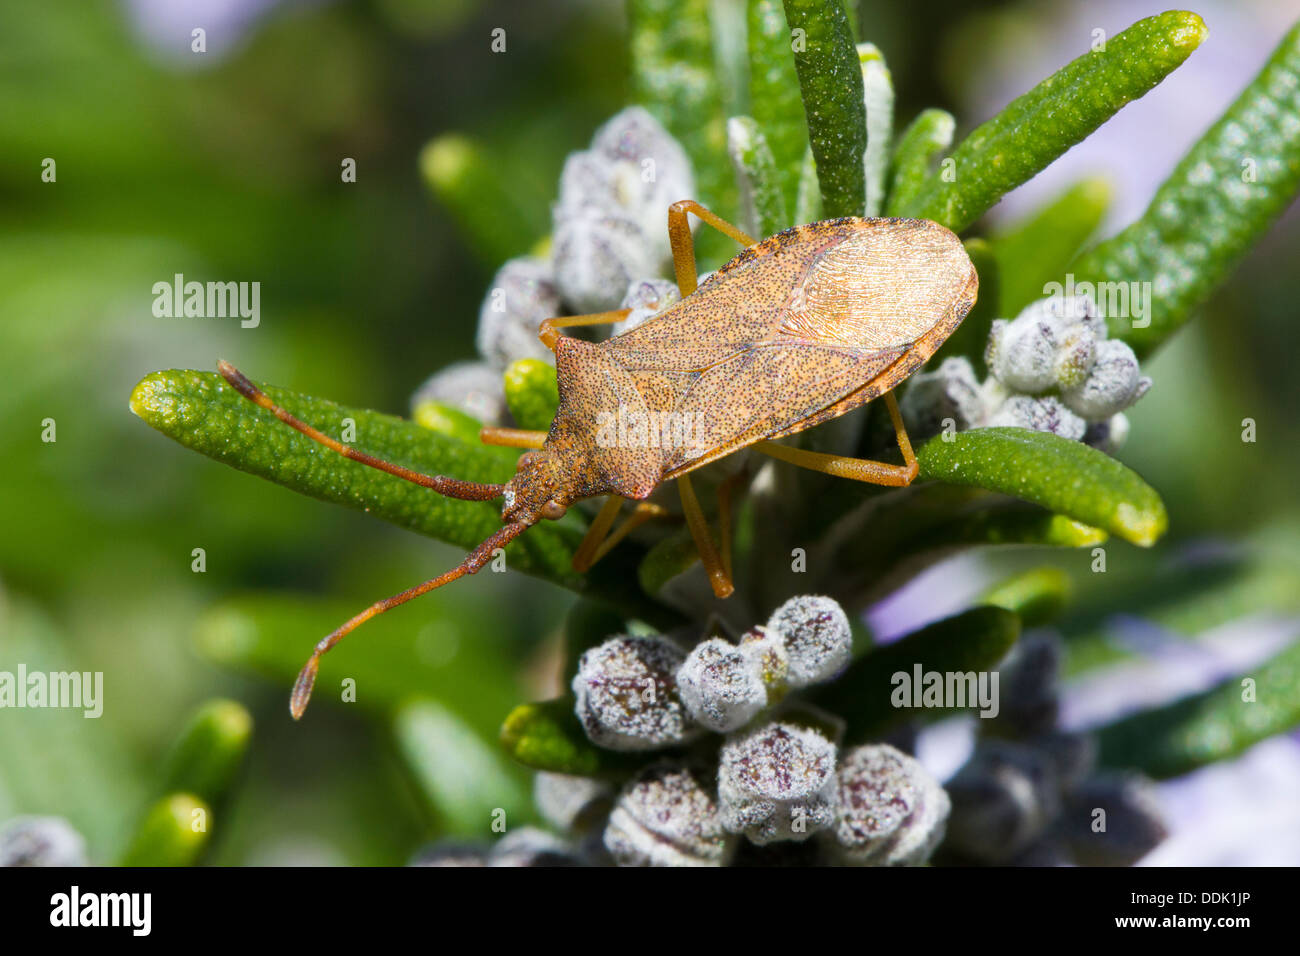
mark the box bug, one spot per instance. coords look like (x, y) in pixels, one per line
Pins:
(798, 329)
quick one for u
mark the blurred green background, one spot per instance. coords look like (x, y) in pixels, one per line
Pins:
(227, 166)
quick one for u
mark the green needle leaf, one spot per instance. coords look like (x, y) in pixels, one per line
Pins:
(674, 77)
(1066, 107)
(1064, 476)
(808, 196)
(929, 135)
(211, 750)
(1225, 193)
(1211, 726)
(974, 640)
(762, 205)
(464, 778)
(173, 833)
(774, 93)
(830, 79)
(467, 181)
(549, 736)
(448, 421)
(1036, 596)
(201, 411)
(878, 101)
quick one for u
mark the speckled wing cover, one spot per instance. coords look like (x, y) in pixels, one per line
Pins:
(796, 330)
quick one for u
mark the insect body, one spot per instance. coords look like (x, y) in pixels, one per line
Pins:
(794, 331)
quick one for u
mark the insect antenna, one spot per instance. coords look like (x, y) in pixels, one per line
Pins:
(473, 562)
(450, 487)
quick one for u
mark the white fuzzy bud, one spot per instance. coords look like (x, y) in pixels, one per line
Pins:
(1113, 384)
(766, 651)
(472, 387)
(950, 391)
(646, 298)
(596, 255)
(777, 783)
(892, 812)
(522, 295)
(1022, 354)
(817, 638)
(1044, 414)
(1050, 343)
(668, 816)
(567, 802)
(41, 841)
(627, 697)
(650, 172)
(531, 846)
(721, 686)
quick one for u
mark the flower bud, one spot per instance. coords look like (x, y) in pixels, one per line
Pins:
(596, 256)
(766, 650)
(650, 172)
(570, 803)
(949, 392)
(1029, 681)
(1003, 800)
(646, 298)
(522, 296)
(1072, 755)
(667, 816)
(41, 841)
(721, 685)
(892, 812)
(777, 783)
(472, 387)
(1108, 435)
(531, 846)
(1114, 383)
(627, 696)
(1075, 357)
(1022, 353)
(817, 638)
(1128, 827)
(1044, 414)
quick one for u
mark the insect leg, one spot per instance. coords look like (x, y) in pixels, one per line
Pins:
(549, 332)
(451, 487)
(473, 562)
(643, 512)
(511, 437)
(683, 243)
(719, 577)
(858, 469)
(584, 557)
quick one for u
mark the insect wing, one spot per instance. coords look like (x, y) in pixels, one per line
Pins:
(798, 329)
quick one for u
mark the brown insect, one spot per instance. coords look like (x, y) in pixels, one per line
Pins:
(795, 330)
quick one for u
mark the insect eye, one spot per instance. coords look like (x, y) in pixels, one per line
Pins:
(553, 510)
